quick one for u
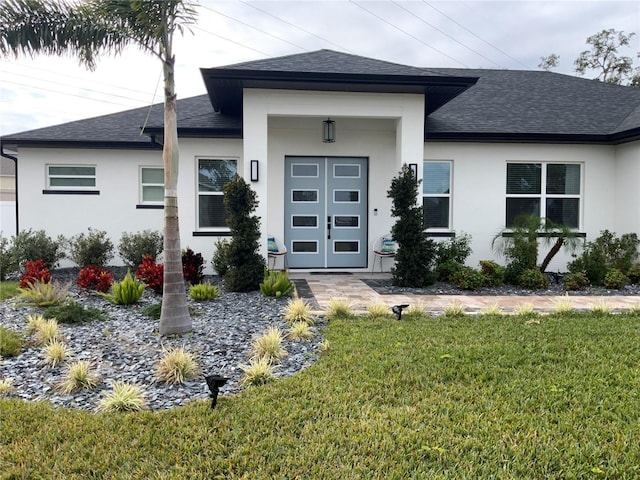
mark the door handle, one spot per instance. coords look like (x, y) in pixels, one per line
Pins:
(329, 227)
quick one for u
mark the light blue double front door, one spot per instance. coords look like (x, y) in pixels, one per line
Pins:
(325, 209)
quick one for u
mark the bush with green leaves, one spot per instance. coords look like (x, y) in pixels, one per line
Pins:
(575, 281)
(92, 248)
(615, 279)
(246, 265)
(450, 254)
(469, 279)
(134, 246)
(44, 294)
(604, 253)
(493, 272)
(448, 269)
(30, 246)
(276, 284)
(72, 313)
(416, 253)
(126, 292)
(204, 291)
(8, 259)
(220, 261)
(10, 342)
(634, 273)
(533, 278)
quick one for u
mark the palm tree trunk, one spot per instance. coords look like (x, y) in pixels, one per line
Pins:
(174, 317)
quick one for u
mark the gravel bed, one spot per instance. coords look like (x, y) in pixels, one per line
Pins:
(126, 346)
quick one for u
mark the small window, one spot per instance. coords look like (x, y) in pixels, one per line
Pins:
(304, 246)
(71, 177)
(304, 221)
(351, 171)
(213, 175)
(436, 194)
(346, 221)
(346, 196)
(346, 247)
(302, 170)
(151, 185)
(302, 196)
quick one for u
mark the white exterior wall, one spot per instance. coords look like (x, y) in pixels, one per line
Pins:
(479, 188)
(627, 192)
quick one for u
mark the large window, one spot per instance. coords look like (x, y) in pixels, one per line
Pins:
(436, 194)
(213, 175)
(71, 177)
(151, 185)
(546, 190)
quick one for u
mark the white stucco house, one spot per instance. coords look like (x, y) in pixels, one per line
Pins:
(488, 145)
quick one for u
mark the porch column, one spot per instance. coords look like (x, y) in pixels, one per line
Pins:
(410, 133)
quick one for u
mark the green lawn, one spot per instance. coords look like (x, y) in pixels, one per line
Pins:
(474, 397)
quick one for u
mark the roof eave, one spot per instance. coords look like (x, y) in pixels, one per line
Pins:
(499, 137)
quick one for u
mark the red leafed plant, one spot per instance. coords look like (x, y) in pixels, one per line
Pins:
(192, 265)
(95, 278)
(35, 270)
(151, 273)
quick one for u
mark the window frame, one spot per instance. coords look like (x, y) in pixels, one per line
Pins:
(142, 185)
(70, 188)
(543, 196)
(199, 193)
(448, 196)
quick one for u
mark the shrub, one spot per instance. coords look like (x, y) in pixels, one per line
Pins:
(298, 310)
(10, 342)
(269, 346)
(123, 397)
(73, 313)
(220, 261)
(615, 279)
(151, 273)
(493, 273)
(8, 259)
(133, 247)
(457, 249)
(35, 271)
(192, 265)
(44, 294)
(634, 273)
(258, 372)
(94, 277)
(29, 245)
(94, 248)
(153, 311)
(300, 331)
(378, 310)
(79, 375)
(533, 278)
(448, 269)
(33, 323)
(339, 308)
(175, 366)
(469, 279)
(575, 281)
(203, 291)
(126, 292)
(55, 352)
(416, 254)
(246, 265)
(455, 309)
(276, 284)
(46, 331)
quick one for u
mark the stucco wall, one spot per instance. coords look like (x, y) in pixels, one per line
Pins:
(627, 191)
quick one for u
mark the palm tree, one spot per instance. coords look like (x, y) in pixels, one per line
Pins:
(92, 27)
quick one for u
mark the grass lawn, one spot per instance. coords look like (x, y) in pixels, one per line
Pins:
(551, 397)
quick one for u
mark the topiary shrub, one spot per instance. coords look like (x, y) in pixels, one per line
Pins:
(416, 254)
(192, 265)
(615, 279)
(246, 265)
(469, 279)
(575, 281)
(133, 247)
(494, 273)
(533, 278)
(220, 261)
(94, 248)
(29, 246)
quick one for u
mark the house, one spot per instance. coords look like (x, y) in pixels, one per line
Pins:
(488, 145)
(7, 197)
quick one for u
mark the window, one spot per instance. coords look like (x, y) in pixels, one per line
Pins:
(213, 175)
(71, 177)
(436, 194)
(546, 190)
(151, 185)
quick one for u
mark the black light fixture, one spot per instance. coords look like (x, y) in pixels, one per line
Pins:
(414, 169)
(397, 309)
(328, 131)
(214, 382)
(254, 170)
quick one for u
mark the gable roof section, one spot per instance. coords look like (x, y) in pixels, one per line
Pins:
(513, 105)
(327, 70)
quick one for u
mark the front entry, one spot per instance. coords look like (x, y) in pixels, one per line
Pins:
(325, 209)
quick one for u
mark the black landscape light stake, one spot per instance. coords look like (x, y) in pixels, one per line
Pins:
(214, 382)
(397, 309)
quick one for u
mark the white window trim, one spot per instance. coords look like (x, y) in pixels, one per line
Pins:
(141, 185)
(220, 193)
(442, 195)
(48, 177)
(543, 195)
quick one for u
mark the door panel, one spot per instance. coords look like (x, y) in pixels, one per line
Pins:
(326, 212)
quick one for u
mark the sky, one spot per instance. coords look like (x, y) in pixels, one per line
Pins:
(514, 34)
